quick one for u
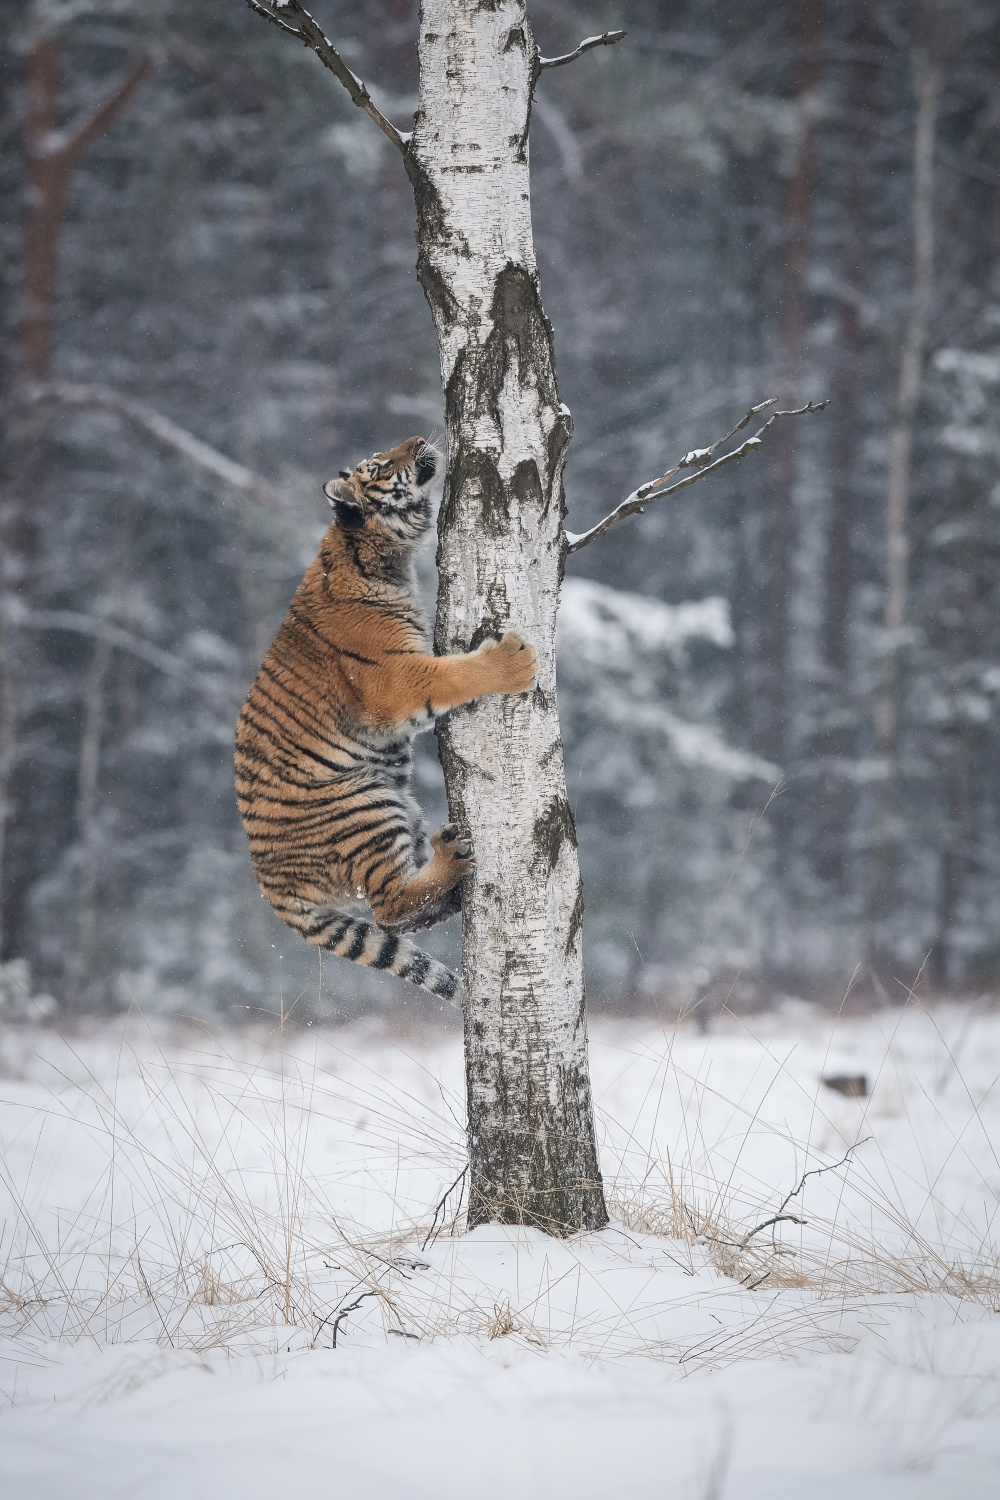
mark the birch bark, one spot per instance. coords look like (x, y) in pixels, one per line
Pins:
(532, 1149)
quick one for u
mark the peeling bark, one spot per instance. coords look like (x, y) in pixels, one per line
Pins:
(533, 1156)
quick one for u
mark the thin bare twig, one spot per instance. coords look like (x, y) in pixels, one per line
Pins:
(606, 39)
(342, 1315)
(780, 1217)
(432, 1233)
(818, 1172)
(699, 459)
(166, 431)
(311, 35)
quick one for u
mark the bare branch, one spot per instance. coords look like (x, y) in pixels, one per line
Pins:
(432, 1233)
(818, 1172)
(699, 459)
(311, 35)
(203, 455)
(781, 1217)
(606, 39)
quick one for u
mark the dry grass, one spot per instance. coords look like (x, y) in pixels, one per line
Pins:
(764, 1244)
(212, 1228)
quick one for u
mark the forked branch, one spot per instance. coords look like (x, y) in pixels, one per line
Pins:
(606, 39)
(702, 460)
(69, 145)
(302, 26)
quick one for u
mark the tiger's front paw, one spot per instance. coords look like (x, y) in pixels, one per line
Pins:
(452, 844)
(513, 664)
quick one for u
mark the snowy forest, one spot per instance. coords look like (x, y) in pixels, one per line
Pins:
(779, 689)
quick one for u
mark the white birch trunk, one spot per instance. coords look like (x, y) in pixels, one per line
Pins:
(532, 1151)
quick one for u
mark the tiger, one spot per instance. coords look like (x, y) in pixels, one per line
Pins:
(324, 739)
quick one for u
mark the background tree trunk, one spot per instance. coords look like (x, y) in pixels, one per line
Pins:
(52, 153)
(837, 742)
(532, 1151)
(778, 522)
(927, 87)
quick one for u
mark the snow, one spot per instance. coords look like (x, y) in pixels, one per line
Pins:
(186, 1213)
(606, 625)
(604, 631)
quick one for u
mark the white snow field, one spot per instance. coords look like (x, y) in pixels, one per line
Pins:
(223, 1275)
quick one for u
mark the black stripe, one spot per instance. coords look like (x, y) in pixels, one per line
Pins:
(446, 985)
(266, 674)
(377, 844)
(340, 650)
(310, 816)
(417, 969)
(358, 946)
(386, 955)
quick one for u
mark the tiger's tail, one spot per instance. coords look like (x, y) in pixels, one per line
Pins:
(362, 942)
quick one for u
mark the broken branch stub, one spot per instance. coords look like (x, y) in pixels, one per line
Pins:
(606, 39)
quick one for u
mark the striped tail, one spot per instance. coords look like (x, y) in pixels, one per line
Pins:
(364, 943)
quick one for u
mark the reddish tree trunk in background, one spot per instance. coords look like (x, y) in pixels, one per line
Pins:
(888, 695)
(51, 156)
(777, 531)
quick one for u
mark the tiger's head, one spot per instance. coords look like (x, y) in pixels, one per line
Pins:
(387, 495)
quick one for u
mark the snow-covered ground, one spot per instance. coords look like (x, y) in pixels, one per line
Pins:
(231, 1268)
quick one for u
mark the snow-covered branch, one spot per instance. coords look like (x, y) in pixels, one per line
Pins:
(311, 35)
(606, 39)
(203, 455)
(702, 460)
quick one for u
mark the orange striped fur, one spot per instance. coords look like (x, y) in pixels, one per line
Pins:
(324, 739)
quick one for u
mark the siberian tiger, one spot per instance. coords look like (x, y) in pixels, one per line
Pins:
(324, 739)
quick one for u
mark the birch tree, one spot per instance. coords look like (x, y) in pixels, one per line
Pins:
(502, 547)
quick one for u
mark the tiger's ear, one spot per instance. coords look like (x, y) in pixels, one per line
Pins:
(349, 512)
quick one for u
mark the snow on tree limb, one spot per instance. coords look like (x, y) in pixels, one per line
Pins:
(606, 39)
(166, 431)
(702, 460)
(312, 36)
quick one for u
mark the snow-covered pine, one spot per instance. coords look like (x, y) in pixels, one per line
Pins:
(533, 1155)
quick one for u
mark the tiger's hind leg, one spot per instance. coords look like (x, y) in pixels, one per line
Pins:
(429, 916)
(414, 900)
